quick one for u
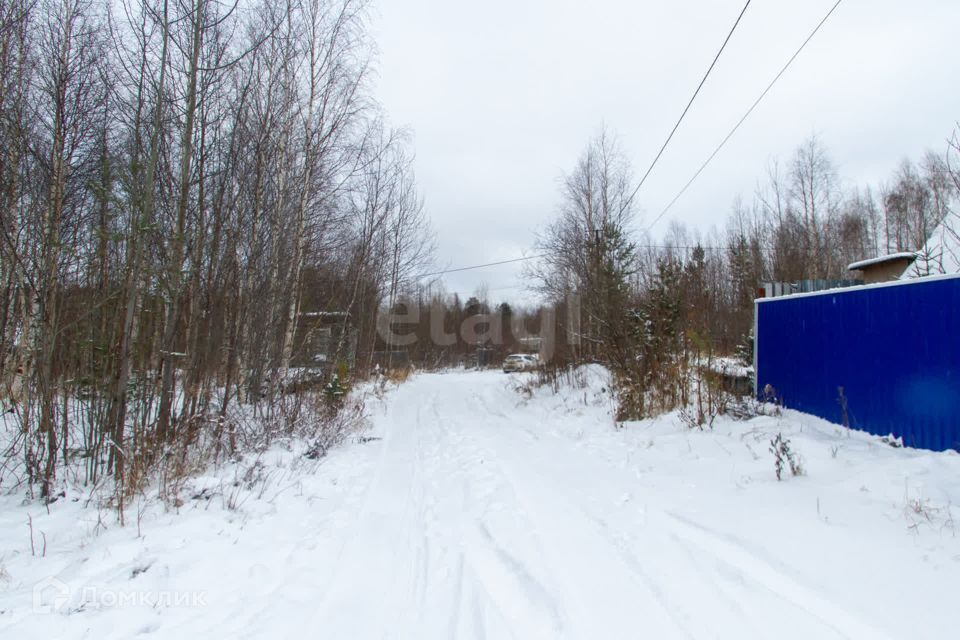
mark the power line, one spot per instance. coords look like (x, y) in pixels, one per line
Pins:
(479, 266)
(494, 289)
(689, 104)
(667, 142)
(547, 255)
(745, 116)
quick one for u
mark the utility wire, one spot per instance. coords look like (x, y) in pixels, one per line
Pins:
(547, 255)
(667, 142)
(689, 104)
(663, 148)
(745, 116)
(478, 266)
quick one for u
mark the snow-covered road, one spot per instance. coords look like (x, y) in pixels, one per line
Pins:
(482, 523)
(484, 513)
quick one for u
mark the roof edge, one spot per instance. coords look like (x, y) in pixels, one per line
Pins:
(890, 257)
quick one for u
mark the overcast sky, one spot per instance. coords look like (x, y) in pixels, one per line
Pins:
(502, 96)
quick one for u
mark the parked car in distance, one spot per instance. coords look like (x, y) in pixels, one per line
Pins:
(520, 362)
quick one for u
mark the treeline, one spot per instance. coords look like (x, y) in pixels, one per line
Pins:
(180, 180)
(802, 223)
(650, 310)
(430, 329)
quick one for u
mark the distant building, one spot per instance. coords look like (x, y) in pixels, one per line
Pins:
(323, 339)
(884, 268)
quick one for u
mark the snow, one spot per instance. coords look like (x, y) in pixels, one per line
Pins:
(905, 255)
(729, 367)
(480, 505)
(940, 254)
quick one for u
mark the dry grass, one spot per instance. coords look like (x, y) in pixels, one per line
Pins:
(398, 376)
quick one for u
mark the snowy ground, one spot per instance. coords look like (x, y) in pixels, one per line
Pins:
(484, 513)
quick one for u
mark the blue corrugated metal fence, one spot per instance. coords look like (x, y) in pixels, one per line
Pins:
(883, 358)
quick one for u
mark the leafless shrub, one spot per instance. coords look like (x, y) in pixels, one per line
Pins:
(697, 419)
(334, 428)
(526, 388)
(920, 511)
(922, 508)
(784, 456)
(709, 398)
(553, 377)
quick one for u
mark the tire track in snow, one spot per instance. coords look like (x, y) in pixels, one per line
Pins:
(473, 527)
(377, 567)
(507, 582)
(416, 560)
(679, 609)
(730, 555)
(575, 532)
(498, 580)
(826, 615)
(736, 555)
